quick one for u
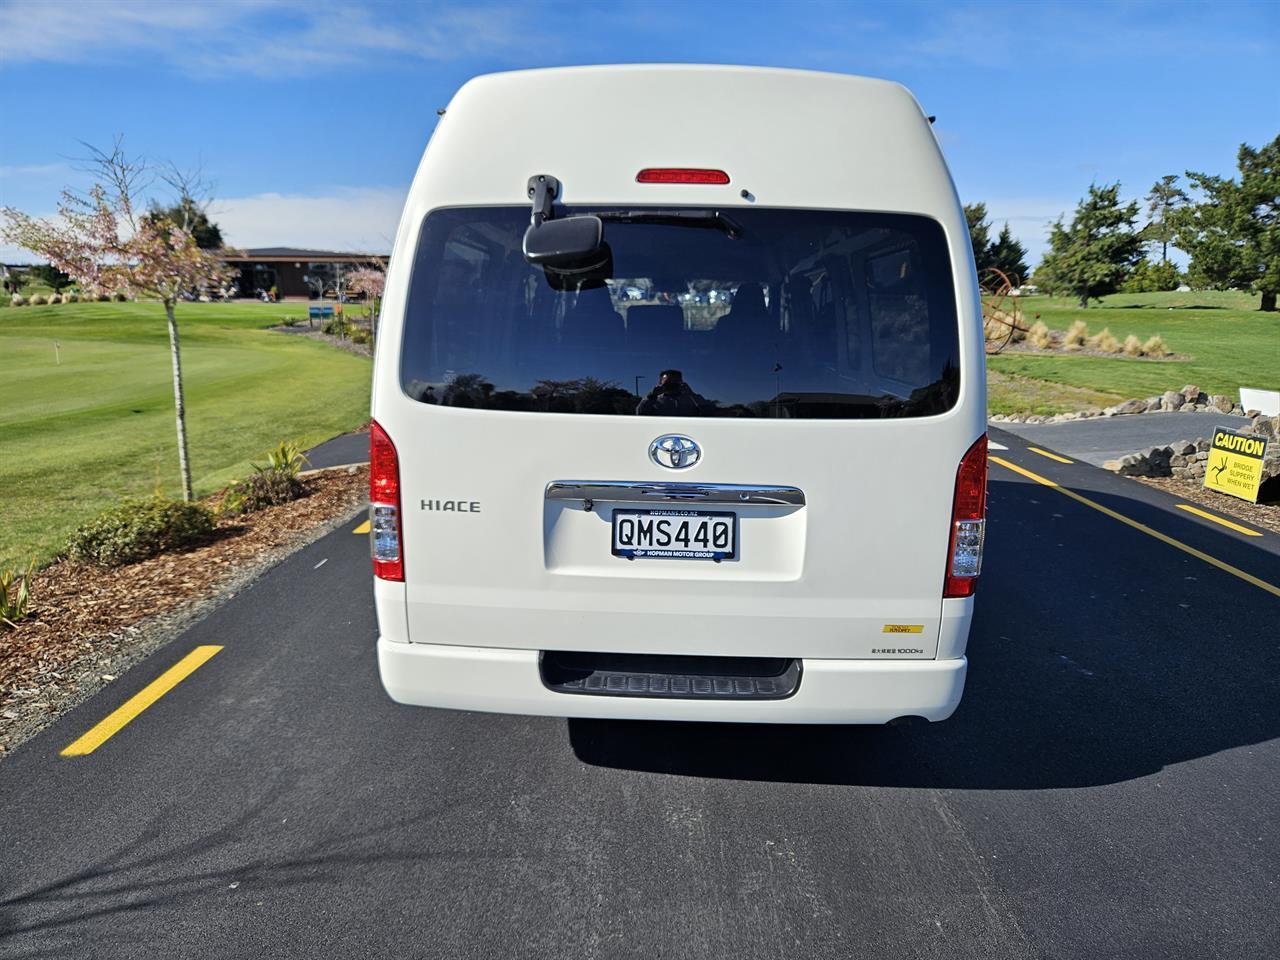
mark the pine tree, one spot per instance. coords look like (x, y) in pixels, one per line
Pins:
(1009, 256)
(1233, 234)
(1091, 256)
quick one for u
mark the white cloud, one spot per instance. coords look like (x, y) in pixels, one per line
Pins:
(260, 37)
(360, 220)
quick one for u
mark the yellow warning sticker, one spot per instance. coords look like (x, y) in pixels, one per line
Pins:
(904, 628)
(1235, 464)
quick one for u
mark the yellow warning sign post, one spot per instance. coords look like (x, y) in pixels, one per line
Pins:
(1235, 464)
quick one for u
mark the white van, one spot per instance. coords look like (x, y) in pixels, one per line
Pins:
(682, 424)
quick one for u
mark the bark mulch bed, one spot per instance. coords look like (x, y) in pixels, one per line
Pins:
(1263, 515)
(88, 625)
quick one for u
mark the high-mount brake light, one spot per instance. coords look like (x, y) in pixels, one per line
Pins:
(968, 523)
(680, 175)
(385, 537)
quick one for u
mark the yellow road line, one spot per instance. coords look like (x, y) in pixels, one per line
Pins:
(1216, 519)
(116, 721)
(1051, 456)
(363, 528)
(1162, 537)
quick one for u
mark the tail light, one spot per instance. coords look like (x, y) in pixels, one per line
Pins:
(384, 506)
(968, 523)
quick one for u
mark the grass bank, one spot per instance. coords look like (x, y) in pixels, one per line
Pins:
(92, 420)
(1227, 342)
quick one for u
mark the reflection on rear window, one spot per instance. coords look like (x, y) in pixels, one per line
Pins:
(804, 314)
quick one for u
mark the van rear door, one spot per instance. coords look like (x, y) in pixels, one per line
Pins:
(736, 434)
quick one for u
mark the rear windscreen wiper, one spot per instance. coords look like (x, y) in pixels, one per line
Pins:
(677, 218)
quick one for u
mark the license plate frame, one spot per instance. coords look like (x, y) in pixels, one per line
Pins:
(674, 550)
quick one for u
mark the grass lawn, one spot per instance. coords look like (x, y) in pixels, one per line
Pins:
(1228, 343)
(76, 436)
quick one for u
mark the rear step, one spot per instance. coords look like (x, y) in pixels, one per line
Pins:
(670, 676)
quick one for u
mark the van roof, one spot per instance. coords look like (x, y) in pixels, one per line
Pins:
(791, 138)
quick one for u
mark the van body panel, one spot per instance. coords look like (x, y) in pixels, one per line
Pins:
(851, 579)
(507, 681)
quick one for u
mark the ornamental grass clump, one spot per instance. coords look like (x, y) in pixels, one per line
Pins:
(1132, 346)
(1076, 335)
(1154, 347)
(1104, 341)
(1040, 335)
(135, 530)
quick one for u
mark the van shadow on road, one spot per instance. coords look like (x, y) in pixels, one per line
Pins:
(1098, 655)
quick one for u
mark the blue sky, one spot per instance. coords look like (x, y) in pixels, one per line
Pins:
(310, 116)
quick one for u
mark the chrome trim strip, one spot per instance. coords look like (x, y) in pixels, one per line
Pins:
(624, 491)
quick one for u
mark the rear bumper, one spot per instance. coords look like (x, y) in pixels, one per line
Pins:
(499, 680)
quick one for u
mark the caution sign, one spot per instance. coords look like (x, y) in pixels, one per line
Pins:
(1235, 464)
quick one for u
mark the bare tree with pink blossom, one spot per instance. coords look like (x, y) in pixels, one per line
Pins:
(108, 243)
(369, 281)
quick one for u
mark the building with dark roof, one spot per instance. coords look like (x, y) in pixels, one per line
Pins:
(297, 273)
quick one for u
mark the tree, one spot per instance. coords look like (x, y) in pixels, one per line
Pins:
(194, 218)
(50, 276)
(1148, 277)
(1165, 197)
(1009, 256)
(1092, 255)
(1233, 233)
(979, 235)
(107, 245)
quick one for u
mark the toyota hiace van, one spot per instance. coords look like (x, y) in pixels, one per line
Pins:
(679, 403)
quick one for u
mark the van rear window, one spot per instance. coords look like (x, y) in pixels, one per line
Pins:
(779, 313)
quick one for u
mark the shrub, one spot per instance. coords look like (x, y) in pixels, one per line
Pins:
(17, 300)
(71, 297)
(119, 297)
(335, 328)
(269, 485)
(15, 595)
(1040, 335)
(1076, 335)
(38, 300)
(1155, 347)
(1104, 341)
(134, 530)
(289, 321)
(263, 488)
(103, 297)
(360, 335)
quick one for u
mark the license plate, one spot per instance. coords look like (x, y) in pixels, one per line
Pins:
(674, 535)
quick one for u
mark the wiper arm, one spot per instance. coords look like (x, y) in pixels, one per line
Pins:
(677, 218)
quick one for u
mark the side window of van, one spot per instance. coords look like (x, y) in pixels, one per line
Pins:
(899, 315)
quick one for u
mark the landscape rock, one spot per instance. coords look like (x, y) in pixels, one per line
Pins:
(1220, 403)
(1153, 404)
(1267, 428)
(1172, 400)
(1184, 448)
(1191, 393)
(1130, 406)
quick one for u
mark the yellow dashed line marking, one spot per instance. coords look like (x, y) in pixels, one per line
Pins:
(363, 528)
(1216, 519)
(116, 721)
(1162, 537)
(1051, 456)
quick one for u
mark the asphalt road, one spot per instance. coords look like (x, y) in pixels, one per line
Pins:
(1108, 788)
(1100, 439)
